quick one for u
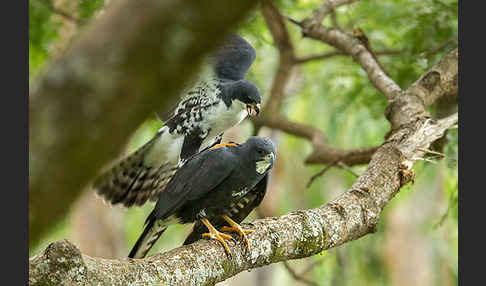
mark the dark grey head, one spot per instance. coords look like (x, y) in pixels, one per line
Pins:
(245, 92)
(262, 151)
(233, 59)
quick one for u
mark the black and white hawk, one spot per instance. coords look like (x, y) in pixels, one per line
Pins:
(218, 187)
(218, 100)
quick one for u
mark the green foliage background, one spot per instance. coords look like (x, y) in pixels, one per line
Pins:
(335, 96)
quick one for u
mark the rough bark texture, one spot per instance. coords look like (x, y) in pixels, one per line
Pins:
(440, 81)
(303, 60)
(129, 62)
(298, 234)
(281, 37)
(357, 50)
(325, 8)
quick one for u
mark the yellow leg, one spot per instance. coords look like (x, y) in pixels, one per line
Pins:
(215, 234)
(238, 229)
(223, 145)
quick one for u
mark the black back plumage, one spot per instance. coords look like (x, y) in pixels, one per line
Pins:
(133, 181)
(210, 185)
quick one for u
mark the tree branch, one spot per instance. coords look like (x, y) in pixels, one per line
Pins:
(307, 59)
(324, 9)
(126, 64)
(311, 27)
(298, 234)
(352, 46)
(298, 277)
(440, 81)
(281, 37)
(338, 163)
(423, 93)
(295, 235)
(322, 153)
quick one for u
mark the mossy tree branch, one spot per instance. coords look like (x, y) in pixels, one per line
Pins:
(298, 234)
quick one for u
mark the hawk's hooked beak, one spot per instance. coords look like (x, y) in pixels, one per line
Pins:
(253, 109)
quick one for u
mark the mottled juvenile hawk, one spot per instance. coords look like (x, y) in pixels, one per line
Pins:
(217, 101)
(217, 185)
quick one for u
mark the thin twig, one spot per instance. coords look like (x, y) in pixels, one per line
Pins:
(339, 163)
(347, 168)
(297, 276)
(314, 264)
(423, 159)
(361, 36)
(432, 152)
(303, 60)
(332, 12)
(293, 21)
(319, 57)
(321, 173)
(328, 7)
(442, 218)
(434, 50)
(446, 214)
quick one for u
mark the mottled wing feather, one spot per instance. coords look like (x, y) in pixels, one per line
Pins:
(131, 182)
(238, 211)
(199, 92)
(193, 106)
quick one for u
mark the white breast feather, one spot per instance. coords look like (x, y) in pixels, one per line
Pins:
(221, 118)
(166, 149)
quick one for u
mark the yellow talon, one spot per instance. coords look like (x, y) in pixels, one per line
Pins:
(238, 229)
(215, 234)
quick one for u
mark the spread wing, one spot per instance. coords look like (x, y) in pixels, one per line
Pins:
(233, 59)
(200, 92)
(238, 213)
(197, 177)
(131, 181)
(202, 95)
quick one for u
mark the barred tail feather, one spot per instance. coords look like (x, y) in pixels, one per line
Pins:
(131, 182)
(153, 230)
